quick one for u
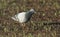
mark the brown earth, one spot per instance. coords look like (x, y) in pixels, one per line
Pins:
(46, 11)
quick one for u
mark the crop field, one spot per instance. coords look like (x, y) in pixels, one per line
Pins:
(44, 23)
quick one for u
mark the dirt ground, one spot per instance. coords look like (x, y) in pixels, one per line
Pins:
(46, 11)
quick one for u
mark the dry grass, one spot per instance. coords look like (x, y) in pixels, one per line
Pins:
(46, 11)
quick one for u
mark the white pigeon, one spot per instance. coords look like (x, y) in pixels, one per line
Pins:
(23, 16)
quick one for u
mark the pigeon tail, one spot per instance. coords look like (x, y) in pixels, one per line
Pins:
(14, 18)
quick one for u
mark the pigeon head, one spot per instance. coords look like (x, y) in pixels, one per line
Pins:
(31, 11)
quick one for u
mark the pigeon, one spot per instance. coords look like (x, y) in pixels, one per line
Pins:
(23, 17)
